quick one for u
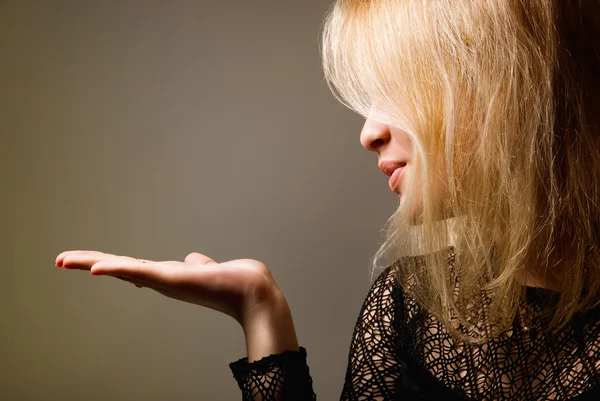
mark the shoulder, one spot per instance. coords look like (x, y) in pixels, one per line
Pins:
(386, 283)
(384, 300)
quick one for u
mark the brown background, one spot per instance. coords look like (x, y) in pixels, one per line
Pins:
(157, 128)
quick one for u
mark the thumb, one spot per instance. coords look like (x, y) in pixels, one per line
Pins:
(198, 258)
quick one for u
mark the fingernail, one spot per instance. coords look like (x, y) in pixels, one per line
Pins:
(59, 263)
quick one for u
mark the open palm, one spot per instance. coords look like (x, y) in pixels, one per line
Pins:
(236, 287)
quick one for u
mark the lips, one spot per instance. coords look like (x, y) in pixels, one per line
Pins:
(394, 178)
(389, 166)
(393, 169)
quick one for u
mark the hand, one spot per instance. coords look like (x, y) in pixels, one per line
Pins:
(239, 288)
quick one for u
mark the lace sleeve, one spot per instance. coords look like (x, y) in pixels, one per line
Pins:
(373, 371)
(281, 377)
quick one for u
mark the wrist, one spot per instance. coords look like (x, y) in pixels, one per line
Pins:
(269, 327)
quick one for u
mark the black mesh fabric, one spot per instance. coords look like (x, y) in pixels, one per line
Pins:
(399, 351)
(283, 376)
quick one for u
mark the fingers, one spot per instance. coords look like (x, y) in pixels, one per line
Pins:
(82, 260)
(146, 273)
(100, 263)
(153, 274)
(196, 257)
(87, 260)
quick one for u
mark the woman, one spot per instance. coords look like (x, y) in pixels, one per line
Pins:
(486, 114)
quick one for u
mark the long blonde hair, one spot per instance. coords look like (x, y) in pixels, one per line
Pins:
(500, 98)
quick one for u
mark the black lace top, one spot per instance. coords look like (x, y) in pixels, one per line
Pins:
(400, 352)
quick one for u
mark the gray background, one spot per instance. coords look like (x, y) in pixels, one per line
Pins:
(158, 128)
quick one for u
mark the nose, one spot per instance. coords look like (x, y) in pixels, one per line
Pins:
(374, 134)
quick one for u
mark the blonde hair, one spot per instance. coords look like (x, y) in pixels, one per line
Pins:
(500, 99)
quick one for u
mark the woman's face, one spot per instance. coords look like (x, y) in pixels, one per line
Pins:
(394, 145)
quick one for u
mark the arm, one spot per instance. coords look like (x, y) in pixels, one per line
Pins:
(374, 370)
